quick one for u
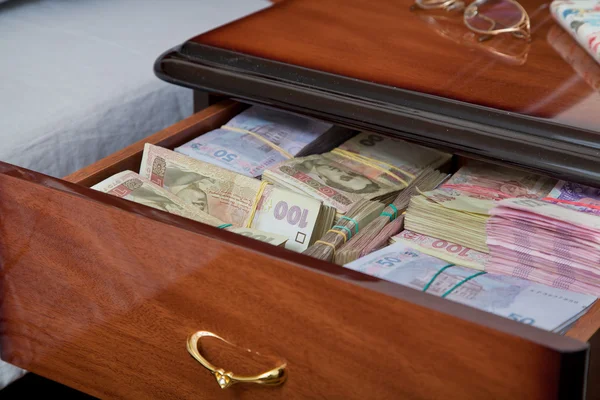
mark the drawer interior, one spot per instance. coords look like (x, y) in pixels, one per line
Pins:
(212, 118)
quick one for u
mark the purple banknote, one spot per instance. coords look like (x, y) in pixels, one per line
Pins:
(576, 196)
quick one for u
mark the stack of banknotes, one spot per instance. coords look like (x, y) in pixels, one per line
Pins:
(259, 138)
(481, 236)
(236, 199)
(459, 209)
(358, 179)
(545, 243)
(576, 197)
(538, 240)
(448, 251)
(377, 233)
(366, 167)
(212, 179)
(131, 186)
(530, 303)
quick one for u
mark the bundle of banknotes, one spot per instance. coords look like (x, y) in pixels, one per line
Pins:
(259, 138)
(459, 209)
(215, 185)
(358, 179)
(133, 187)
(236, 199)
(576, 197)
(546, 243)
(539, 240)
(377, 233)
(522, 300)
(448, 251)
(299, 197)
(366, 167)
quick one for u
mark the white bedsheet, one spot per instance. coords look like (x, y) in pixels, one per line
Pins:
(76, 78)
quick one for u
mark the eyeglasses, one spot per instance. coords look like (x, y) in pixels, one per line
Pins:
(503, 49)
(486, 17)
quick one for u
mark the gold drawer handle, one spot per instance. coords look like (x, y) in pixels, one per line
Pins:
(274, 377)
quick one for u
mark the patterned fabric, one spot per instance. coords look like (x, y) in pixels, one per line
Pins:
(581, 18)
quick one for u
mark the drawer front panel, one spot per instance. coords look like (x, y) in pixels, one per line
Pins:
(101, 294)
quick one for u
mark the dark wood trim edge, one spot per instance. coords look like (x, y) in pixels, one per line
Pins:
(470, 130)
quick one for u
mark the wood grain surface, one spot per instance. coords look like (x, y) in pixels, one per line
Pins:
(100, 294)
(428, 52)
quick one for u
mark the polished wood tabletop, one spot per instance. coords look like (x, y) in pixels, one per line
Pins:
(430, 52)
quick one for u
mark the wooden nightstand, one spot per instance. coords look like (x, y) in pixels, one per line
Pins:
(100, 293)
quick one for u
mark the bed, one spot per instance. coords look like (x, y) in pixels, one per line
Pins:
(77, 80)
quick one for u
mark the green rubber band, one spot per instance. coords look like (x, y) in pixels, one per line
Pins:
(391, 216)
(436, 275)
(224, 226)
(461, 282)
(395, 210)
(385, 214)
(344, 227)
(352, 220)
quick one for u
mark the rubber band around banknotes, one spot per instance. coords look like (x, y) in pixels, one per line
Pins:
(257, 136)
(462, 282)
(327, 244)
(376, 164)
(433, 278)
(344, 235)
(351, 220)
(575, 203)
(391, 216)
(345, 228)
(261, 189)
(224, 226)
(353, 155)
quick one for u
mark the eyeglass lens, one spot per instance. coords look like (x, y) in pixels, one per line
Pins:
(494, 15)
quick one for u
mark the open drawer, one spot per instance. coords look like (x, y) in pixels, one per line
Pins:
(101, 294)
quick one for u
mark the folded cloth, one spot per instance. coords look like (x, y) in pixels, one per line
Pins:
(581, 18)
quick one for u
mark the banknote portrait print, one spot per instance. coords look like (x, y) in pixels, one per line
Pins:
(338, 178)
(485, 183)
(580, 193)
(188, 186)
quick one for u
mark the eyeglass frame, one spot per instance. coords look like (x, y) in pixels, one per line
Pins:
(521, 30)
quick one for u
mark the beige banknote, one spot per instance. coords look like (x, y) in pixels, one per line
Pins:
(131, 186)
(237, 199)
(460, 202)
(443, 249)
(457, 219)
(325, 178)
(403, 159)
(214, 190)
(366, 167)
